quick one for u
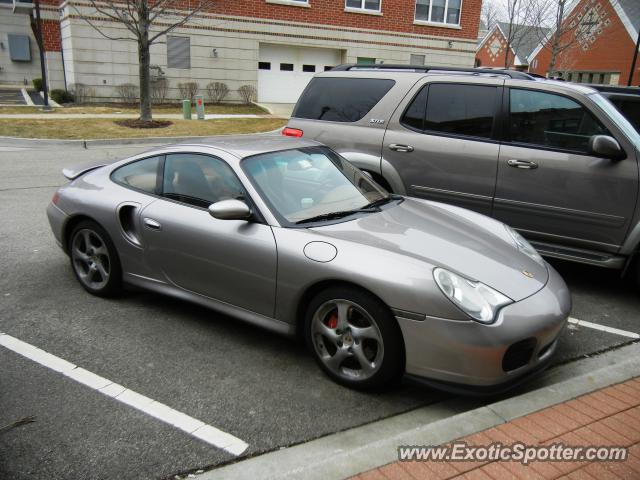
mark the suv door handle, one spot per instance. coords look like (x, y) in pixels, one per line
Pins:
(151, 223)
(401, 148)
(525, 164)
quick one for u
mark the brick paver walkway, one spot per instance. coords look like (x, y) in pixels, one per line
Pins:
(607, 417)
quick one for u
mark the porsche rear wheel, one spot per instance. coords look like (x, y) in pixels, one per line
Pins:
(94, 260)
(354, 338)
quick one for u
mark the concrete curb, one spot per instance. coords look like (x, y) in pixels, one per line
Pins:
(363, 448)
(47, 142)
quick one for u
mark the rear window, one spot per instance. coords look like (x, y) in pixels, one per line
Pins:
(341, 99)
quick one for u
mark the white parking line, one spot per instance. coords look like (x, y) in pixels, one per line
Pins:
(192, 426)
(603, 328)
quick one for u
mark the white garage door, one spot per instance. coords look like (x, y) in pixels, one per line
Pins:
(284, 71)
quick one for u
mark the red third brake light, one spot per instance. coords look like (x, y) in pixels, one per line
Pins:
(292, 132)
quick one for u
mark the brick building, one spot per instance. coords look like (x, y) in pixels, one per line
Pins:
(492, 50)
(275, 45)
(602, 35)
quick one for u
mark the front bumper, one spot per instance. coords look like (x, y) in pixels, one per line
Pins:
(467, 355)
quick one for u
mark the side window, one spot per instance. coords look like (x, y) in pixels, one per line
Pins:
(549, 120)
(630, 108)
(461, 109)
(414, 115)
(199, 180)
(341, 99)
(141, 175)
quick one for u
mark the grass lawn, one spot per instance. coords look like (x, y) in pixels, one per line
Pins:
(92, 128)
(224, 108)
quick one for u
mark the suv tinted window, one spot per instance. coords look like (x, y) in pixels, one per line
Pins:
(629, 107)
(141, 175)
(341, 99)
(461, 109)
(550, 120)
(414, 115)
(199, 180)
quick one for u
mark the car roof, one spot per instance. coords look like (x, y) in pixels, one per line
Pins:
(242, 146)
(413, 74)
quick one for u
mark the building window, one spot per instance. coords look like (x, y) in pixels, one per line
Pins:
(286, 67)
(308, 68)
(370, 5)
(439, 11)
(416, 60)
(366, 61)
(264, 65)
(19, 48)
(179, 52)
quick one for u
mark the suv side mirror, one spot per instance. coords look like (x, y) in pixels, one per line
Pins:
(230, 210)
(606, 146)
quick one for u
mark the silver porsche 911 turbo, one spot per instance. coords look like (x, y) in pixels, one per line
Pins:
(288, 235)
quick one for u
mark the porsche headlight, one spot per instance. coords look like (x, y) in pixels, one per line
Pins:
(476, 299)
(524, 246)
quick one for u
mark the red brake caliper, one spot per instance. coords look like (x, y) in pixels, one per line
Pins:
(333, 321)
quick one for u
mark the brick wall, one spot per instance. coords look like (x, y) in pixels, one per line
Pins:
(397, 15)
(486, 58)
(51, 35)
(612, 51)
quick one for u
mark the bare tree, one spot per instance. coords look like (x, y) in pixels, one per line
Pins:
(518, 13)
(490, 14)
(146, 21)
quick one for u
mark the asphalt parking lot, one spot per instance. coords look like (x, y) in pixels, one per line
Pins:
(257, 386)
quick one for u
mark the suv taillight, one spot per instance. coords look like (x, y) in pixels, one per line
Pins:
(292, 132)
(56, 198)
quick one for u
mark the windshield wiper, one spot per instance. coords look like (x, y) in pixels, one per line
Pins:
(334, 215)
(382, 201)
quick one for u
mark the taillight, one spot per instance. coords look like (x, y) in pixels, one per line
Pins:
(55, 199)
(292, 132)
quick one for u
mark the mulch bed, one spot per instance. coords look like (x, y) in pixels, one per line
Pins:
(137, 123)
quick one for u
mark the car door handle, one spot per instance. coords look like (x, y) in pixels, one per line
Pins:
(151, 224)
(401, 148)
(525, 164)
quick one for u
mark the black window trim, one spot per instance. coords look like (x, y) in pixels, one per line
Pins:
(497, 120)
(507, 121)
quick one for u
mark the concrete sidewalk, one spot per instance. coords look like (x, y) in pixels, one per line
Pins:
(607, 417)
(372, 446)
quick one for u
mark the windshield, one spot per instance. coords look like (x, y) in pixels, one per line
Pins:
(302, 184)
(622, 123)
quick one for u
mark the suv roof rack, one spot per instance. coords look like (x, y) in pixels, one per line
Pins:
(425, 69)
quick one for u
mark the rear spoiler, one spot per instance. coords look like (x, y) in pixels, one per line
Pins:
(76, 171)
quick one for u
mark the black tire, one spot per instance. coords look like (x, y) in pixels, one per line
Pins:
(362, 309)
(94, 259)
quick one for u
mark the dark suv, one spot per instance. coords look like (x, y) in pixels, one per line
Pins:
(553, 159)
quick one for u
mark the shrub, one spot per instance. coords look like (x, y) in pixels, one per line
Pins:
(188, 90)
(217, 91)
(81, 92)
(127, 92)
(61, 96)
(37, 84)
(247, 93)
(159, 90)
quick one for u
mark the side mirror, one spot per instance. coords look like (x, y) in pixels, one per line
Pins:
(230, 210)
(606, 146)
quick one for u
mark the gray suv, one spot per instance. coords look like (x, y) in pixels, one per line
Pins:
(555, 160)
